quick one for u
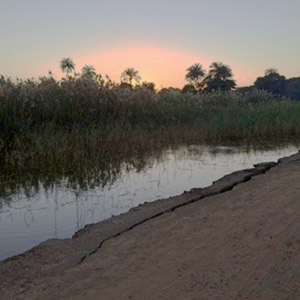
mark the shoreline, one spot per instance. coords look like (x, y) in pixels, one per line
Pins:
(54, 256)
(148, 210)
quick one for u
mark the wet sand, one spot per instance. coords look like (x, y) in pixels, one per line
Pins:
(238, 239)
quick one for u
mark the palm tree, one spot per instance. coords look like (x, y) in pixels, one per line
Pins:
(219, 70)
(67, 65)
(88, 71)
(195, 74)
(271, 71)
(220, 77)
(130, 74)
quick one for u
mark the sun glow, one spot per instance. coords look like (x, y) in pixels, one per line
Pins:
(163, 66)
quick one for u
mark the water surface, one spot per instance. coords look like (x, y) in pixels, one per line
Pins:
(34, 214)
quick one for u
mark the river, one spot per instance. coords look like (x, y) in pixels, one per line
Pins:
(31, 215)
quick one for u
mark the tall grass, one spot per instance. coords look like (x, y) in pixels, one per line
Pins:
(83, 124)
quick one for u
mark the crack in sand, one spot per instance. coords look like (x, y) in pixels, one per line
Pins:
(222, 185)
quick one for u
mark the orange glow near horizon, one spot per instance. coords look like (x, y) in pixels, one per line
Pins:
(164, 67)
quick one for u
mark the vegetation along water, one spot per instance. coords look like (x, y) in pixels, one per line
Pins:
(83, 131)
(83, 123)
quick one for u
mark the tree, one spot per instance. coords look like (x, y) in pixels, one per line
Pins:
(130, 74)
(67, 65)
(88, 71)
(195, 75)
(189, 88)
(292, 88)
(125, 85)
(219, 78)
(272, 82)
(149, 86)
(271, 71)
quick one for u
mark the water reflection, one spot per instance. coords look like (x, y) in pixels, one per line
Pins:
(35, 210)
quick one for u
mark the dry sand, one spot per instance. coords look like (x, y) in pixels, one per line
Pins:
(240, 244)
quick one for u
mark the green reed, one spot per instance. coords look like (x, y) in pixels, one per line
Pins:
(83, 125)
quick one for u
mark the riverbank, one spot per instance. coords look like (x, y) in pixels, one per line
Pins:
(75, 129)
(237, 239)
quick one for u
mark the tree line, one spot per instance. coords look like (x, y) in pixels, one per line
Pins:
(277, 84)
(219, 77)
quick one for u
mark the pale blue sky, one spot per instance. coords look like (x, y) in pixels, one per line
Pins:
(250, 36)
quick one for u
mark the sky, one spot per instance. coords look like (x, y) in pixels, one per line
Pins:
(159, 38)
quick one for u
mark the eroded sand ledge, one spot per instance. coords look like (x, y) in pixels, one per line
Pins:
(242, 244)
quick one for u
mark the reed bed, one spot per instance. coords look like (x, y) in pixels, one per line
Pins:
(82, 124)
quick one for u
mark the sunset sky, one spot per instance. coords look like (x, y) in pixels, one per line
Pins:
(159, 38)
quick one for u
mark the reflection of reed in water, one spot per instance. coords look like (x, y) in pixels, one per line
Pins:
(104, 174)
(100, 174)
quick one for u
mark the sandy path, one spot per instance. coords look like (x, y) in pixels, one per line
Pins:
(242, 244)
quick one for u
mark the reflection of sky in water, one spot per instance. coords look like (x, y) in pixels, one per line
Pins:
(60, 212)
